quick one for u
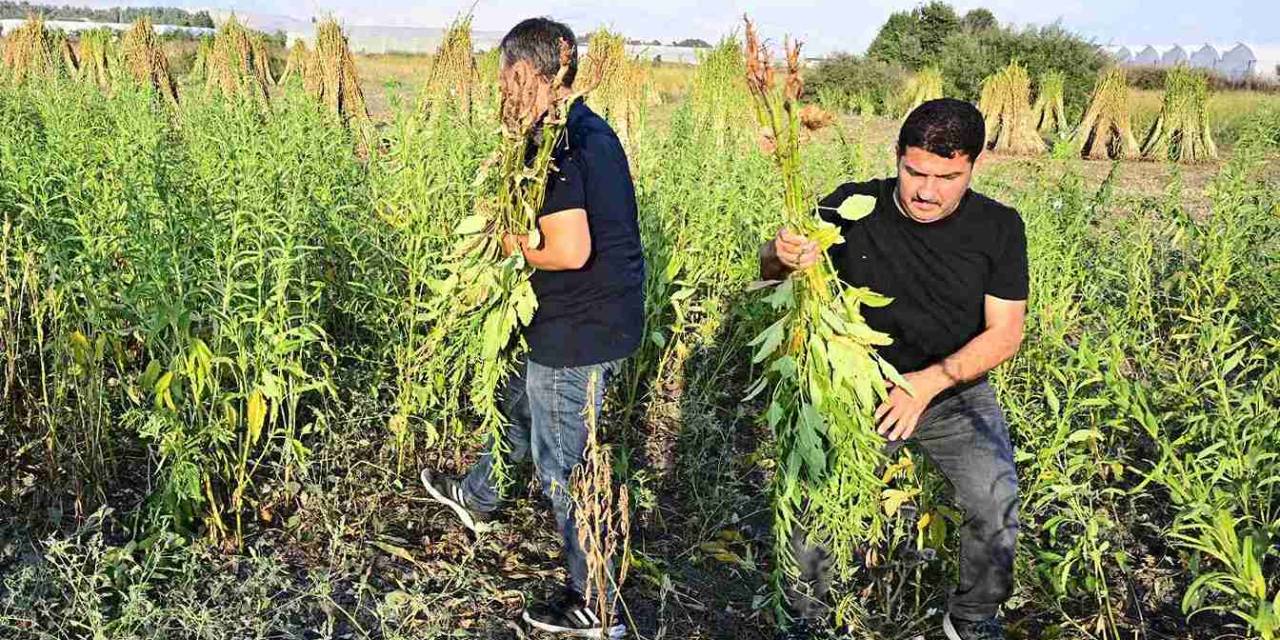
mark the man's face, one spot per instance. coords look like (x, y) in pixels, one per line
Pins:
(525, 93)
(930, 186)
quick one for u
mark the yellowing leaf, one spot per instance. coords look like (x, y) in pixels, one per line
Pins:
(895, 498)
(257, 415)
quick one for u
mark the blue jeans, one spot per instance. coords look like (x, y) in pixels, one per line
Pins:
(965, 435)
(544, 408)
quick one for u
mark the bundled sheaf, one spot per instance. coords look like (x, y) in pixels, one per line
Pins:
(1181, 132)
(297, 64)
(1105, 132)
(719, 98)
(923, 86)
(236, 66)
(200, 64)
(451, 78)
(98, 57)
(145, 61)
(331, 75)
(1049, 114)
(821, 374)
(33, 52)
(622, 95)
(1006, 108)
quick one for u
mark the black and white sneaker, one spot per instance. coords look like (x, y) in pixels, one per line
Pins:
(448, 492)
(570, 616)
(957, 629)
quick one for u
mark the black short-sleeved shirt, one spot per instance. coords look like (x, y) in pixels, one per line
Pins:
(594, 314)
(938, 274)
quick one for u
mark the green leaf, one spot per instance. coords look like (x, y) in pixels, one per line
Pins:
(768, 341)
(470, 225)
(783, 295)
(856, 207)
(526, 303)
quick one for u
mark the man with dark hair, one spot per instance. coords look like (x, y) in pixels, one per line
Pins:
(589, 281)
(955, 263)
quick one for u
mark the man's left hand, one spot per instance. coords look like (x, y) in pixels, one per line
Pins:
(511, 243)
(898, 416)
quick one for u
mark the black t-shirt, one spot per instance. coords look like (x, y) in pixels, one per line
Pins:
(594, 314)
(938, 274)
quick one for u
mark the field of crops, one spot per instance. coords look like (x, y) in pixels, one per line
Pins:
(216, 398)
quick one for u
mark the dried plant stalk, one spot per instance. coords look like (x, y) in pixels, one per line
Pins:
(234, 66)
(98, 57)
(1105, 131)
(145, 61)
(451, 80)
(1181, 132)
(331, 76)
(604, 518)
(1007, 110)
(33, 52)
(1050, 113)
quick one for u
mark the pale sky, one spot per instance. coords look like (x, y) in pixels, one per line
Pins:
(825, 25)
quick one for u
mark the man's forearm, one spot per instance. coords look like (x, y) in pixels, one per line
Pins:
(988, 350)
(545, 260)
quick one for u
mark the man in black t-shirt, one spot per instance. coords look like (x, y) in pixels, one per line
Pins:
(589, 281)
(955, 264)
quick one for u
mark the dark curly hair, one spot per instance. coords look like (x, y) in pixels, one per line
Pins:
(945, 127)
(538, 41)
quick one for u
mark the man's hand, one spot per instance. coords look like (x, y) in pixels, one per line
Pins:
(511, 243)
(795, 251)
(898, 416)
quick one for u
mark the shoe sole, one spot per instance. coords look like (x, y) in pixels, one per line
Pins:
(614, 633)
(950, 629)
(458, 510)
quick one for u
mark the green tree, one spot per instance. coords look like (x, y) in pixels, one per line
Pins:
(979, 19)
(914, 38)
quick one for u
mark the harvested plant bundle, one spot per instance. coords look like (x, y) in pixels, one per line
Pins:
(31, 51)
(332, 77)
(145, 61)
(451, 80)
(1007, 110)
(98, 56)
(822, 376)
(719, 97)
(486, 92)
(487, 296)
(235, 66)
(1181, 132)
(200, 65)
(603, 515)
(1105, 131)
(262, 56)
(922, 87)
(296, 66)
(622, 95)
(1049, 113)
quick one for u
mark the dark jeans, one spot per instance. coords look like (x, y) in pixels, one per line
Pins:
(545, 407)
(966, 437)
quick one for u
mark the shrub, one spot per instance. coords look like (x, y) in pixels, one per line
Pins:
(850, 78)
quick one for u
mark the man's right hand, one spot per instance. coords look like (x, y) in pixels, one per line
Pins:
(795, 251)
